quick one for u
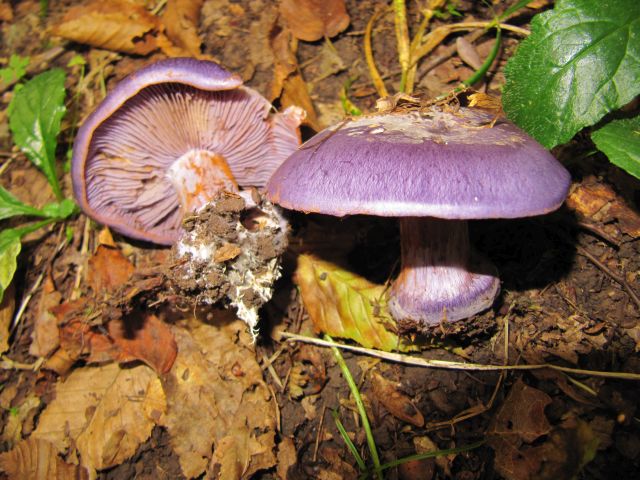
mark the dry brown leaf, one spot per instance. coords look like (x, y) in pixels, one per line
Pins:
(107, 412)
(7, 307)
(216, 397)
(149, 340)
(16, 423)
(181, 18)
(117, 25)
(311, 20)
(597, 202)
(308, 374)
(108, 270)
(45, 337)
(6, 13)
(288, 84)
(36, 459)
(396, 402)
(287, 457)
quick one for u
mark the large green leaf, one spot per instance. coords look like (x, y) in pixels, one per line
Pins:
(10, 206)
(35, 113)
(9, 250)
(620, 141)
(581, 61)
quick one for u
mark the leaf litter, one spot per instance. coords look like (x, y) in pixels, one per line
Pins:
(114, 320)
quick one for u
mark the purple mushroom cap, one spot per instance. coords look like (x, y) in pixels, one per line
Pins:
(167, 137)
(435, 169)
(438, 164)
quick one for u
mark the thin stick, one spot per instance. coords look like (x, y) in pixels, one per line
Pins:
(402, 36)
(444, 364)
(368, 54)
(319, 434)
(613, 276)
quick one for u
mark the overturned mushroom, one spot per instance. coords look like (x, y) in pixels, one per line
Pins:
(169, 138)
(435, 169)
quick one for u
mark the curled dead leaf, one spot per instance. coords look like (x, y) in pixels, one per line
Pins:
(308, 374)
(7, 308)
(108, 270)
(117, 25)
(397, 403)
(45, 337)
(598, 202)
(37, 459)
(145, 338)
(311, 20)
(288, 84)
(181, 18)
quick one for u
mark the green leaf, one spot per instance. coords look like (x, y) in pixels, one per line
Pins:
(581, 61)
(620, 141)
(61, 210)
(10, 206)
(35, 113)
(15, 70)
(10, 247)
(343, 304)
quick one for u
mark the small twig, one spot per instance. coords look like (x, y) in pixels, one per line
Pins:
(447, 365)
(266, 364)
(368, 54)
(319, 434)
(605, 269)
(599, 232)
(402, 37)
(7, 364)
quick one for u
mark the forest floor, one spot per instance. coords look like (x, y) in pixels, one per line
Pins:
(103, 366)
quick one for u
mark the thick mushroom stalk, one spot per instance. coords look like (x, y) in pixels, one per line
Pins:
(441, 278)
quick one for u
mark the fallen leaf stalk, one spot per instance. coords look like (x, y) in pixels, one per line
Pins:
(447, 365)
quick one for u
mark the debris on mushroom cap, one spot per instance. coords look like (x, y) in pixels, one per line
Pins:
(230, 251)
(433, 162)
(168, 138)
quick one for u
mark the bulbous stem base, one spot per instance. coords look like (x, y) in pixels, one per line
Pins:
(441, 278)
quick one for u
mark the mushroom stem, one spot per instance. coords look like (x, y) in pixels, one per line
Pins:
(441, 278)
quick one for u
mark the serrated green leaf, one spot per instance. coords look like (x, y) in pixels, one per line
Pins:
(10, 247)
(343, 304)
(35, 114)
(620, 141)
(10, 206)
(581, 61)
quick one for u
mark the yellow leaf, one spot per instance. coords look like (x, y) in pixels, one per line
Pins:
(346, 305)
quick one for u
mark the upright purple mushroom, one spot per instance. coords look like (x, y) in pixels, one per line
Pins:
(434, 169)
(168, 138)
